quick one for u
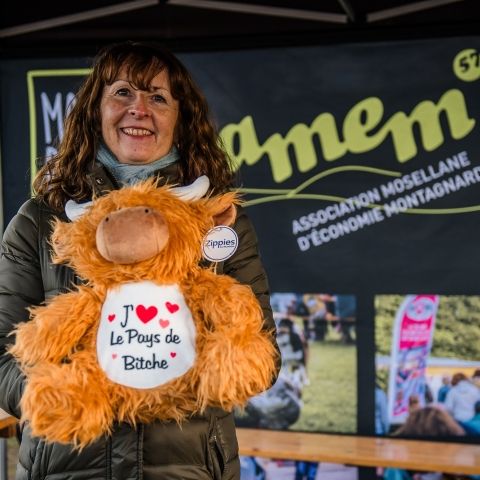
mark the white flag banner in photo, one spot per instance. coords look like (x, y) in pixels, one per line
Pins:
(412, 342)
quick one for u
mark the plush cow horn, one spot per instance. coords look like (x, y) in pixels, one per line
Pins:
(194, 191)
(75, 210)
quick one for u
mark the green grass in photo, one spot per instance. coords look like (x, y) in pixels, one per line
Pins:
(330, 400)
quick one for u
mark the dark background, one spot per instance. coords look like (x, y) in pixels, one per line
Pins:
(185, 25)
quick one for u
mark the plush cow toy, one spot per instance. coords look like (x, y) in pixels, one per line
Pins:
(151, 334)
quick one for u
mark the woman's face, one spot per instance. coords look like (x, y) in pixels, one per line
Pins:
(138, 126)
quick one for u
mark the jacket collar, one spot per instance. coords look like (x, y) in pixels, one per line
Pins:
(102, 182)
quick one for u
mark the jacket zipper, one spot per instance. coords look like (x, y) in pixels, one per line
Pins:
(140, 431)
(225, 467)
(108, 456)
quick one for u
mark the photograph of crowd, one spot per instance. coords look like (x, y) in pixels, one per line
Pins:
(427, 369)
(316, 337)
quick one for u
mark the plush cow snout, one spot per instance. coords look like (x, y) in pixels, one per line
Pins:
(131, 235)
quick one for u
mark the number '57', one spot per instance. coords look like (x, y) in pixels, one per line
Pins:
(466, 65)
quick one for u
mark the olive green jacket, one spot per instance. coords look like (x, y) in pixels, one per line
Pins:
(205, 447)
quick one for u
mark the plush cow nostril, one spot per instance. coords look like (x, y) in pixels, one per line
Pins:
(147, 210)
(106, 219)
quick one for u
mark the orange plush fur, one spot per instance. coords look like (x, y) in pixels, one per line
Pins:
(68, 398)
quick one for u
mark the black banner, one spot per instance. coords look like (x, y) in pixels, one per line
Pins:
(361, 167)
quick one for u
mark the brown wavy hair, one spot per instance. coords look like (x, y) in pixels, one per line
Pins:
(65, 175)
(430, 421)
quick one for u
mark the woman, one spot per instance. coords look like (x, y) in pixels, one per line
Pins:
(427, 422)
(461, 398)
(138, 114)
(430, 421)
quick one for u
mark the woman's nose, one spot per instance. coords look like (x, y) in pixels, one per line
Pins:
(139, 108)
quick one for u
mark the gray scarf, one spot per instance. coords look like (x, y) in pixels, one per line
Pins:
(126, 174)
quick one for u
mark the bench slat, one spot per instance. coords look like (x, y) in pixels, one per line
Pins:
(7, 422)
(361, 451)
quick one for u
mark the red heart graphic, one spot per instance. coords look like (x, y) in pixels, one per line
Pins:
(173, 354)
(111, 317)
(172, 307)
(114, 356)
(146, 314)
(164, 323)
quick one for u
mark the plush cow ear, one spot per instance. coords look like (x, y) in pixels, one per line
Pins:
(223, 209)
(227, 217)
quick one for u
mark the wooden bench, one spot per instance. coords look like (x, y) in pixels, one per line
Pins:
(348, 449)
(7, 427)
(361, 451)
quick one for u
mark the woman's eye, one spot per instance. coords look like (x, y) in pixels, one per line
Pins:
(159, 99)
(122, 92)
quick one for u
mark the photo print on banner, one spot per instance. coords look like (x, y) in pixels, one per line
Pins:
(428, 366)
(316, 334)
